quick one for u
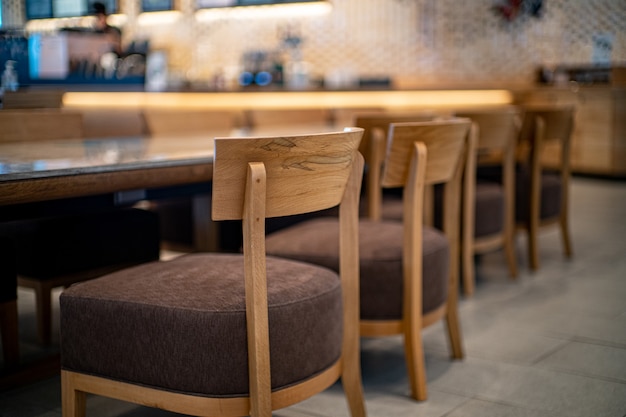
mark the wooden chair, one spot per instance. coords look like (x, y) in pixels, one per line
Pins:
(376, 126)
(191, 335)
(104, 122)
(542, 192)
(489, 206)
(409, 272)
(288, 121)
(189, 121)
(33, 99)
(39, 124)
(346, 116)
(179, 231)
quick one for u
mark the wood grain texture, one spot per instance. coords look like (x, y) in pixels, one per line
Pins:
(305, 165)
(444, 143)
(375, 128)
(496, 135)
(27, 190)
(39, 124)
(168, 121)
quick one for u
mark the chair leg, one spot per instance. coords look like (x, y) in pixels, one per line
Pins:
(468, 267)
(511, 259)
(9, 333)
(415, 363)
(454, 333)
(43, 296)
(566, 237)
(533, 250)
(73, 402)
(352, 385)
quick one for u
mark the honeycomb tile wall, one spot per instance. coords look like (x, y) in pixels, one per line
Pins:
(424, 42)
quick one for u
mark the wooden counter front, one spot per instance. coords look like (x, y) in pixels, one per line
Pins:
(599, 137)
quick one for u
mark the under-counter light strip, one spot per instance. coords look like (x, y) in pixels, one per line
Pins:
(291, 99)
(158, 18)
(309, 9)
(54, 24)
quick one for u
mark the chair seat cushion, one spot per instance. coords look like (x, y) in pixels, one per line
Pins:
(550, 195)
(489, 214)
(392, 208)
(51, 246)
(180, 325)
(550, 190)
(380, 253)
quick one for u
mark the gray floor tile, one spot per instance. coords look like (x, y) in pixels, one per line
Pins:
(589, 360)
(545, 390)
(482, 408)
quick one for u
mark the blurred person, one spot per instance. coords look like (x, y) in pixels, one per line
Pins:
(102, 26)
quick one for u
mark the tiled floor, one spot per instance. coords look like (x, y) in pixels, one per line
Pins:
(551, 344)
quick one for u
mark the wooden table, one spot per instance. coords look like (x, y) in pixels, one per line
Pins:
(131, 169)
(127, 168)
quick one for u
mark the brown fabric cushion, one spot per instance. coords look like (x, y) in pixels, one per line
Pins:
(180, 325)
(550, 195)
(380, 253)
(550, 190)
(392, 208)
(489, 214)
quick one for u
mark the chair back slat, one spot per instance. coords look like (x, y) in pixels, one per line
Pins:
(558, 123)
(372, 122)
(36, 124)
(266, 118)
(305, 173)
(167, 122)
(497, 127)
(445, 140)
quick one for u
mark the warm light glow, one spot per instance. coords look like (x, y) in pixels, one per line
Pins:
(303, 99)
(276, 11)
(85, 22)
(158, 18)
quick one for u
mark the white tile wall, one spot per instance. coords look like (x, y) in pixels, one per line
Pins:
(442, 42)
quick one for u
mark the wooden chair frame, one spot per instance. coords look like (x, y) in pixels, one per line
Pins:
(545, 126)
(252, 195)
(375, 127)
(496, 133)
(408, 165)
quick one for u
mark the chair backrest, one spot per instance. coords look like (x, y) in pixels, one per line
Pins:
(167, 122)
(305, 172)
(39, 124)
(256, 178)
(33, 99)
(378, 123)
(445, 141)
(102, 122)
(270, 118)
(375, 127)
(498, 128)
(346, 116)
(547, 126)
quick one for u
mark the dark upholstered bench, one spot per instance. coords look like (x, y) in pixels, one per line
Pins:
(8, 304)
(60, 250)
